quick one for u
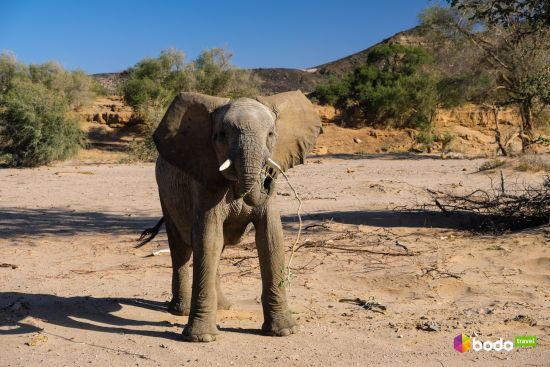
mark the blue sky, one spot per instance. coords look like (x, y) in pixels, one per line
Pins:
(106, 36)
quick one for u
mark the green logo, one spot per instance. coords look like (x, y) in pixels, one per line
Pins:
(525, 341)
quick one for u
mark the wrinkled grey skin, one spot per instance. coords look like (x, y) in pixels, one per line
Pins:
(202, 220)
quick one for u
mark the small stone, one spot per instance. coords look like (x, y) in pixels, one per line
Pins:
(37, 339)
(526, 320)
(428, 326)
(357, 140)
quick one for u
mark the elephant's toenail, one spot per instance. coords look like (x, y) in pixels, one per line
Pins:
(285, 332)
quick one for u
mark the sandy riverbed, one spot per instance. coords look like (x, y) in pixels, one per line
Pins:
(81, 294)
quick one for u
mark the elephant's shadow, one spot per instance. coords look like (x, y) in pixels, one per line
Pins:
(86, 313)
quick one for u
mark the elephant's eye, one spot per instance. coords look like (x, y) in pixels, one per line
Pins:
(270, 134)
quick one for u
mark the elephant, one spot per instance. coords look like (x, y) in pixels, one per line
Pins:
(216, 170)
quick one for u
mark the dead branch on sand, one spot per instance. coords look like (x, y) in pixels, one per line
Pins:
(371, 304)
(432, 271)
(500, 208)
(121, 267)
(357, 241)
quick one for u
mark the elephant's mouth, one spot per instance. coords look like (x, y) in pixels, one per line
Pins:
(268, 175)
(259, 189)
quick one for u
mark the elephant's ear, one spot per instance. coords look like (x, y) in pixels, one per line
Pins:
(183, 137)
(298, 126)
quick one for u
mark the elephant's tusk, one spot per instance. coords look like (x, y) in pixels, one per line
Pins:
(275, 164)
(225, 164)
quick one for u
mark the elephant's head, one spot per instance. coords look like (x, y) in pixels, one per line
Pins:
(223, 142)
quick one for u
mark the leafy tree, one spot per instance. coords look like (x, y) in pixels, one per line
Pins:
(531, 15)
(213, 74)
(393, 87)
(35, 109)
(34, 127)
(512, 40)
(9, 70)
(458, 64)
(154, 82)
(335, 91)
(76, 87)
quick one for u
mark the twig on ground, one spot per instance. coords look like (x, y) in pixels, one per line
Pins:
(384, 253)
(122, 267)
(6, 265)
(240, 259)
(116, 350)
(397, 243)
(315, 225)
(443, 274)
(329, 244)
(371, 304)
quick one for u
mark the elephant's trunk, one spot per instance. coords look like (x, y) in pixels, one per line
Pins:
(249, 172)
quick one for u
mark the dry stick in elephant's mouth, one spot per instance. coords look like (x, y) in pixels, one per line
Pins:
(268, 174)
(286, 272)
(265, 177)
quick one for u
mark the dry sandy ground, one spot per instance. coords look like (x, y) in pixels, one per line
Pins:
(79, 293)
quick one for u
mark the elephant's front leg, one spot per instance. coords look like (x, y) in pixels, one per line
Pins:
(269, 242)
(207, 238)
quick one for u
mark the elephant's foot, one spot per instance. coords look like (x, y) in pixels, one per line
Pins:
(199, 332)
(223, 303)
(179, 307)
(280, 326)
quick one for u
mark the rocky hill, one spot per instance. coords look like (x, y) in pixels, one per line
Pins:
(110, 81)
(276, 80)
(410, 37)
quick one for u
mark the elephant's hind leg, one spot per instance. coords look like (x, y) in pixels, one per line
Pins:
(180, 251)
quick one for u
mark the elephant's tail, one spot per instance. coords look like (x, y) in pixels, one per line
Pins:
(149, 233)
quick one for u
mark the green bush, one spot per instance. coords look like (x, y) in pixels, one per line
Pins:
(426, 138)
(144, 149)
(34, 128)
(456, 90)
(154, 82)
(35, 109)
(445, 139)
(140, 93)
(99, 90)
(75, 87)
(392, 88)
(212, 73)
